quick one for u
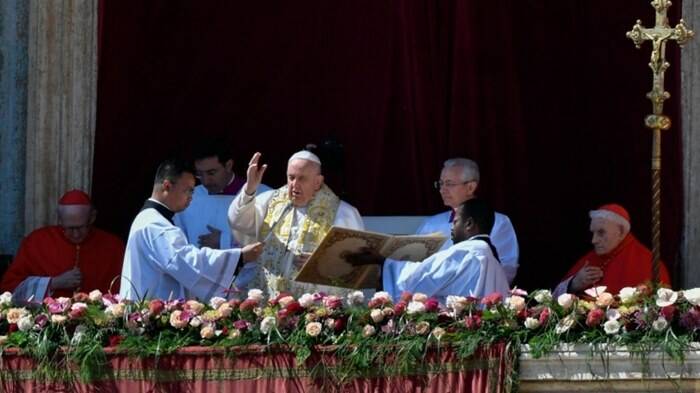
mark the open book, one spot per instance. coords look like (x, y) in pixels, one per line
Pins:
(327, 265)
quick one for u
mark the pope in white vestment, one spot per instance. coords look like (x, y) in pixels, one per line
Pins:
(502, 236)
(467, 268)
(290, 221)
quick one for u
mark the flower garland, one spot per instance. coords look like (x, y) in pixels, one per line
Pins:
(364, 333)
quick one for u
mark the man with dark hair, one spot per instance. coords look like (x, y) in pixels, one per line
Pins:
(205, 220)
(59, 259)
(159, 263)
(469, 267)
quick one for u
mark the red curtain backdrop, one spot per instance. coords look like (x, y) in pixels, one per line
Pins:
(547, 96)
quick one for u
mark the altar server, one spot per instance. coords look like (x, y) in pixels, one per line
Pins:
(159, 262)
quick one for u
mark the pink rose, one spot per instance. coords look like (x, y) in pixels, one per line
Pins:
(595, 317)
(492, 299)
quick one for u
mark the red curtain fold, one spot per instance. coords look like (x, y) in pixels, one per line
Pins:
(548, 97)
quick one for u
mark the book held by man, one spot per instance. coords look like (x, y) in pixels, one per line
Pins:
(328, 266)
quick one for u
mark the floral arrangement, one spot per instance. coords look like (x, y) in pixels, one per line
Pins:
(364, 333)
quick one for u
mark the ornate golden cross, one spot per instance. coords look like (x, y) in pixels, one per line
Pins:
(657, 121)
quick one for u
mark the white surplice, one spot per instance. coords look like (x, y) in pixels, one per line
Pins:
(246, 215)
(160, 263)
(502, 236)
(467, 268)
(212, 209)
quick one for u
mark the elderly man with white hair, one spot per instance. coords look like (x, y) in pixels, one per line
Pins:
(458, 182)
(291, 221)
(617, 260)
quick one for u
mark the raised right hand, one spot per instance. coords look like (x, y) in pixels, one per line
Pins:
(252, 251)
(67, 280)
(254, 174)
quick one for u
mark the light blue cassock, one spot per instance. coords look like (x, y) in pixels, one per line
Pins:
(467, 268)
(160, 263)
(502, 235)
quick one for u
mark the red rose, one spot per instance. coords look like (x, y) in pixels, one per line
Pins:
(472, 322)
(544, 315)
(492, 299)
(294, 307)
(80, 297)
(156, 306)
(668, 312)
(400, 307)
(406, 296)
(248, 304)
(595, 317)
(431, 305)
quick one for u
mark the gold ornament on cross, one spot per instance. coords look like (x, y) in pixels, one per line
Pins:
(659, 35)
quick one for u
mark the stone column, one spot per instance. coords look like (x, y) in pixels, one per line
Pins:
(13, 120)
(61, 103)
(690, 109)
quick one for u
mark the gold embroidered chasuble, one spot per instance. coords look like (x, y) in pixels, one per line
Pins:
(310, 231)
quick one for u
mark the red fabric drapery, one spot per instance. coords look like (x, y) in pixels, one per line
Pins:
(548, 97)
(199, 369)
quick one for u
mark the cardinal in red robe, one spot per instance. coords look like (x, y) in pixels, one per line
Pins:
(617, 260)
(73, 256)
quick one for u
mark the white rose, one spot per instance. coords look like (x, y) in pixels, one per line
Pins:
(515, 303)
(313, 329)
(628, 295)
(611, 326)
(368, 331)
(306, 300)
(25, 323)
(660, 324)
(216, 301)
(356, 298)
(666, 297)
(78, 306)
(605, 299)
(456, 303)
(267, 324)
(376, 315)
(195, 322)
(207, 332)
(330, 323)
(6, 299)
(438, 332)
(382, 296)
(566, 300)
(95, 296)
(692, 296)
(543, 296)
(415, 308)
(58, 319)
(532, 323)
(420, 297)
(284, 302)
(613, 314)
(255, 294)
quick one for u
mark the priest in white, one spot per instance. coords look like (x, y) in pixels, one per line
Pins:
(290, 221)
(205, 220)
(458, 182)
(467, 268)
(159, 262)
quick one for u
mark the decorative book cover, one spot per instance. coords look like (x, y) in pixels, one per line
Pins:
(327, 265)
